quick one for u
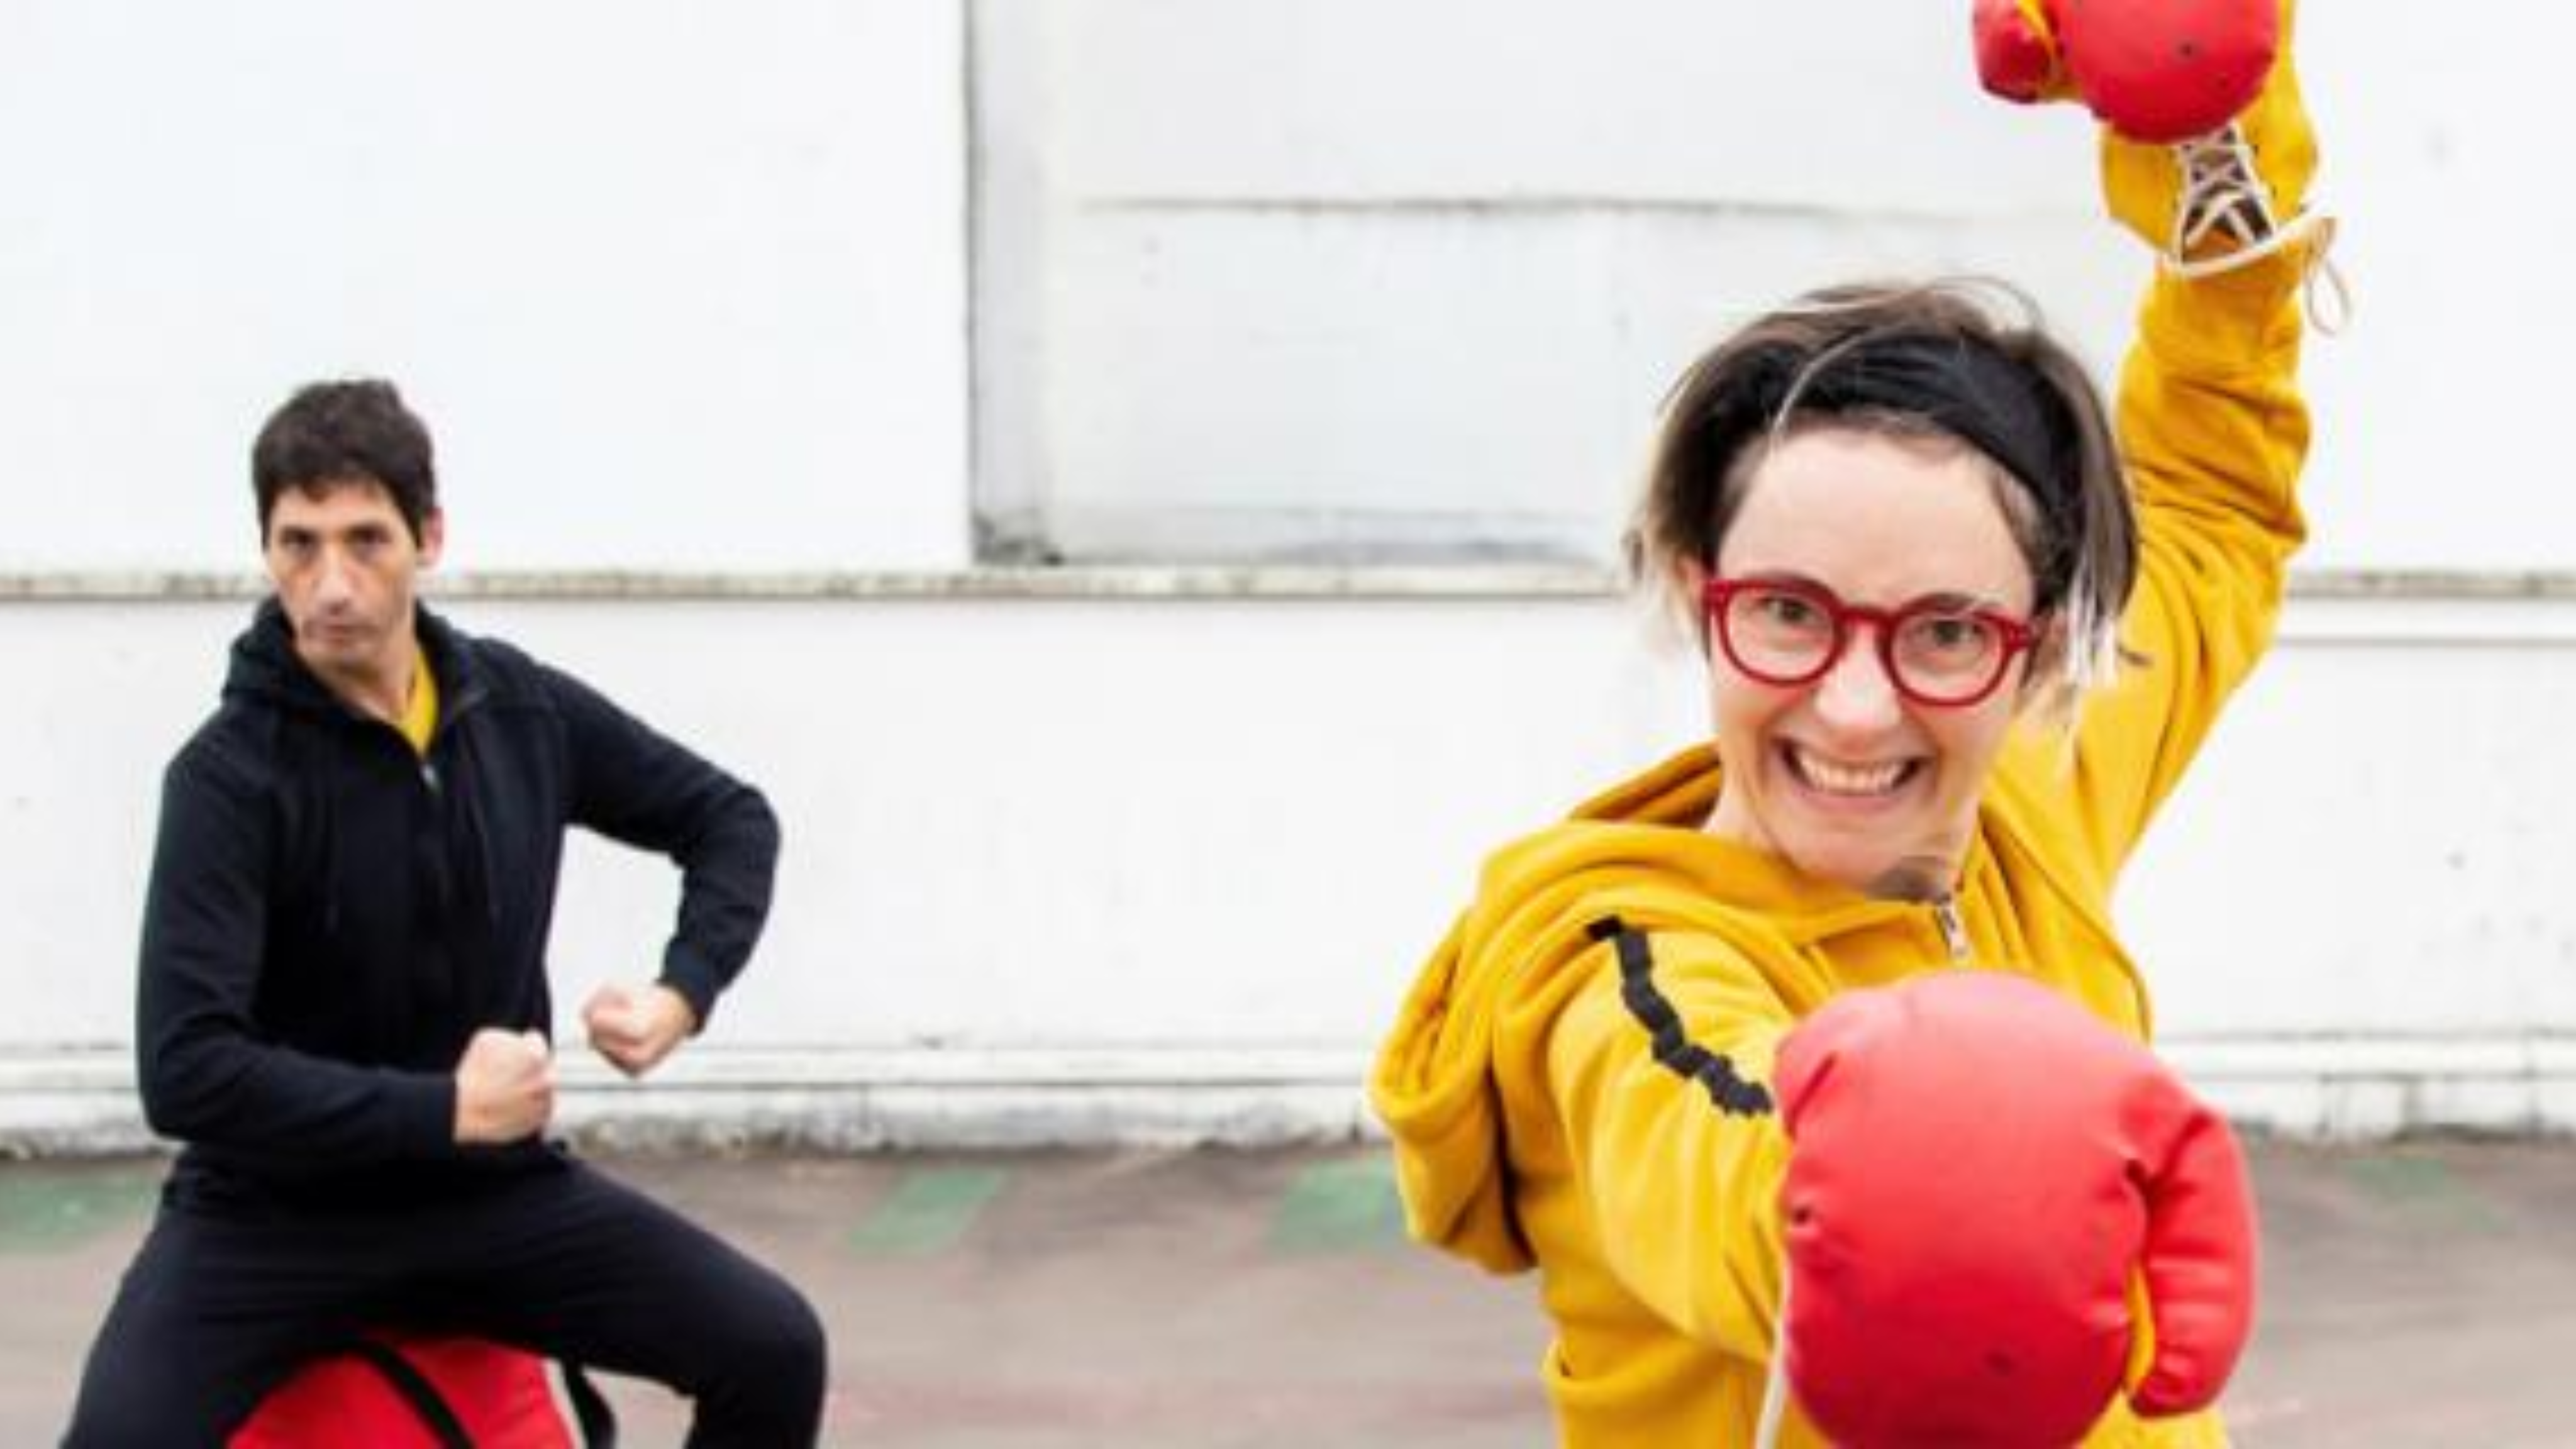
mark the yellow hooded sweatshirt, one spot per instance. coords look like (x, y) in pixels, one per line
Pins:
(1607, 1127)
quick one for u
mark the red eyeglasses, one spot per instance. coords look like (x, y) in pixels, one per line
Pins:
(1785, 633)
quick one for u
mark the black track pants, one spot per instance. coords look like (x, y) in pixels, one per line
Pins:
(221, 1306)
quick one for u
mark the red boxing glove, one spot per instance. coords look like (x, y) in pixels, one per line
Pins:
(1980, 1169)
(2158, 73)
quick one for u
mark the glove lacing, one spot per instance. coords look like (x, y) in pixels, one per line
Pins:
(2223, 197)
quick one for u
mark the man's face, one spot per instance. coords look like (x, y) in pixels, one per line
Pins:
(346, 569)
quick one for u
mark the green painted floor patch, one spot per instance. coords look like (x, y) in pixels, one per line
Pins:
(43, 1212)
(1340, 1207)
(929, 1209)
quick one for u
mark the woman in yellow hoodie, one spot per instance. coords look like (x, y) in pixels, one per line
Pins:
(1914, 559)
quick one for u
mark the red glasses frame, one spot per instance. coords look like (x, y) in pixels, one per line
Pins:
(2018, 635)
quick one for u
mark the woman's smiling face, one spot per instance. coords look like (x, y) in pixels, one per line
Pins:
(1844, 776)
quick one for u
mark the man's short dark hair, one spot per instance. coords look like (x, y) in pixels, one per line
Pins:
(357, 431)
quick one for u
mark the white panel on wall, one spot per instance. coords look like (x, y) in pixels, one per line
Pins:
(675, 285)
(1478, 385)
(1285, 277)
(1276, 279)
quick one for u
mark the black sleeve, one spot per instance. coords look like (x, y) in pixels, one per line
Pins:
(207, 1076)
(632, 785)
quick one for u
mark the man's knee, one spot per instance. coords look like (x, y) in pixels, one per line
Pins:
(766, 1349)
(783, 1341)
(765, 1371)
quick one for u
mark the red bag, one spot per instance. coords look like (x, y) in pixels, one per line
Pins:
(394, 1392)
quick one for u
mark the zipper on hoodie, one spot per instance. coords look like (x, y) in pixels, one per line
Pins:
(1954, 932)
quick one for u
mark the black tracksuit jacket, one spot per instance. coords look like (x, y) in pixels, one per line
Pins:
(331, 915)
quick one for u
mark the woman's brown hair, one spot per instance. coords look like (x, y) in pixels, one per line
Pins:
(1957, 360)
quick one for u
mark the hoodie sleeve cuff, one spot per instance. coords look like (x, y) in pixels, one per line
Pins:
(694, 979)
(425, 1108)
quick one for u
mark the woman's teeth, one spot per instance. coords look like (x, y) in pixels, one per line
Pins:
(1836, 779)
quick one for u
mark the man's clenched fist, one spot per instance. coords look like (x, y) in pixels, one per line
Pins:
(635, 1029)
(505, 1086)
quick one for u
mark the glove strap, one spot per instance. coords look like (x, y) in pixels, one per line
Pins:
(1775, 1383)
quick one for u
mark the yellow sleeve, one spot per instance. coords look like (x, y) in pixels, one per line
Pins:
(1660, 1069)
(2214, 430)
(1433, 1089)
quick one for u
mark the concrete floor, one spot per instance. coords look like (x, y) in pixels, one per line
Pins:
(2416, 1295)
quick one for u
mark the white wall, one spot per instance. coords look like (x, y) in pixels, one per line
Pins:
(676, 285)
(1044, 847)
(688, 292)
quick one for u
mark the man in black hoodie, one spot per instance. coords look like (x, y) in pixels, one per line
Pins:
(343, 1011)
